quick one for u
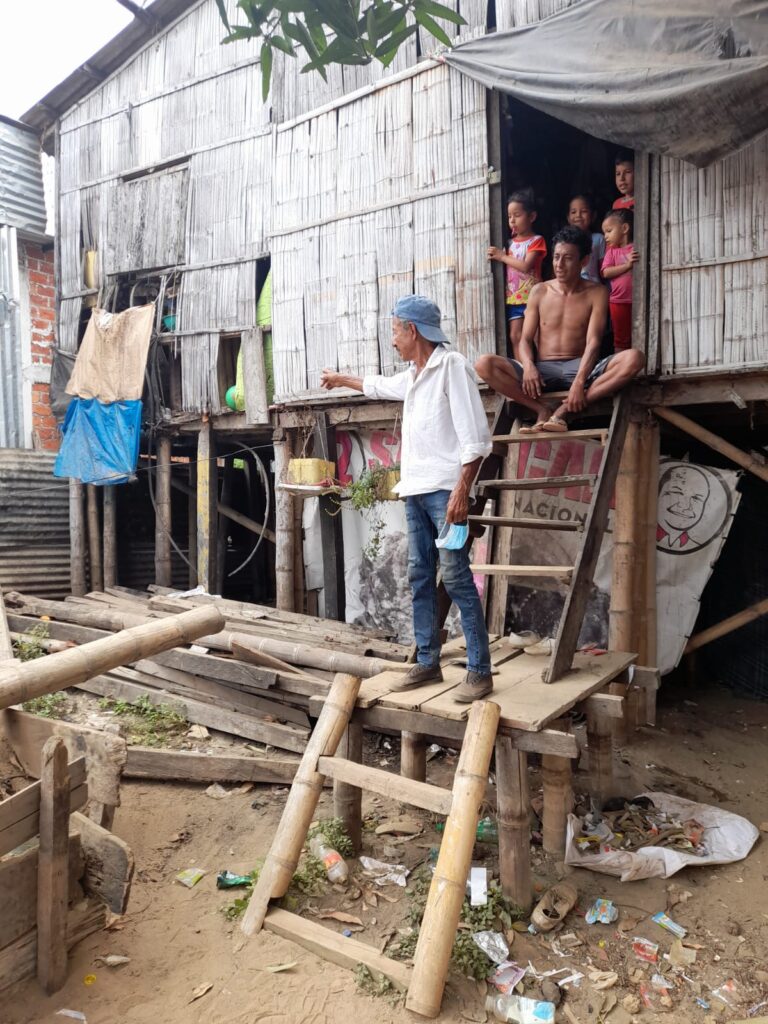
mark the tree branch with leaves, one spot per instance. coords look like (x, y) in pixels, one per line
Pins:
(335, 31)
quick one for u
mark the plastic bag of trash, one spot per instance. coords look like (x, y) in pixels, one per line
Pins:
(729, 838)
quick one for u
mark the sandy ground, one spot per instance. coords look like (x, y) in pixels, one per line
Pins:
(711, 747)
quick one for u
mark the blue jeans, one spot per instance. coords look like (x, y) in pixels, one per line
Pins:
(426, 516)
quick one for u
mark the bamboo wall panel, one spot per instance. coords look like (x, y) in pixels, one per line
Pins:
(199, 380)
(218, 298)
(357, 304)
(320, 295)
(146, 222)
(513, 13)
(714, 250)
(289, 276)
(394, 258)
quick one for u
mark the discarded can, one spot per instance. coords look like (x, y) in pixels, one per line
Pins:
(646, 950)
(228, 880)
(602, 912)
(664, 921)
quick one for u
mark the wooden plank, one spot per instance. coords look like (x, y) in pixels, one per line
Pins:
(526, 524)
(607, 705)
(20, 814)
(287, 737)
(222, 669)
(572, 618)
(537, 483)
(254, 376)
(396, 787)
(18, 884)
(560, 572)
(329, 945)
(105, 753)
(53, 867)
(527, 704)
(109, 864)
(186, 766)
(413, 699)
(592, 433)
(18, 961)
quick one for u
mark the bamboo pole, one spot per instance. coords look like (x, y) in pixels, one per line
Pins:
(284, 853)
(284, 533)
(94, 538)
(558, 800)
(313, 657)
(730, 451)
(22, 681)
(514, 823)
(109, 526)
(191, 492)
(348, 800)
(224, 510)
(77, 543)
(80, 614)
(207, 495)
(53, 867)
(733, 622)
(446, 892)
(413, 756)
(298, 557)
(163, 512)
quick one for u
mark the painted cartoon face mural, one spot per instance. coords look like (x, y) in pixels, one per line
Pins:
(693, 506)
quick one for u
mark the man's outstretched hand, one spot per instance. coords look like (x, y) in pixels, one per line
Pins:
(329, 380)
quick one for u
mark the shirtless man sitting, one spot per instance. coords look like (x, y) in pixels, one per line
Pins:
(569, 314)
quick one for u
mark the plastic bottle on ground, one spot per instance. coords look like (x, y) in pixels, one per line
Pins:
(520, 1010)
(335, 865)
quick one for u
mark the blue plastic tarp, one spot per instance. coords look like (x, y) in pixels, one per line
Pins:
(100, 443)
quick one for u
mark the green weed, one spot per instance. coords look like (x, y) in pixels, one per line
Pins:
(29, 647)
(148, 724)
(50, 705)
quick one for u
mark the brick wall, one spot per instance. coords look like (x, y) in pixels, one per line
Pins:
(39, 264)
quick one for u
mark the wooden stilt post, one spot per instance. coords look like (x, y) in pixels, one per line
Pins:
(446, 893)
(649, 650)
(53, 867)
(284, 531)
(331, 535)
(558, 800)
(413, 756)
(600, 745)
(163, 512)
(77, 543)
(514, 823)
(109, 525)
(348, 800)
(207, 496)
(298, 557)
(192, 524)
(222, 526)
(6, 644)
(283, 856)
(94, 538)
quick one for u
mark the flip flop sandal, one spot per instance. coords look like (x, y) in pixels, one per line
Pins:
(555, 425)
(553, 907)
(534, 428)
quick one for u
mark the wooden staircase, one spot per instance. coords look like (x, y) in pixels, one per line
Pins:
(579, 576)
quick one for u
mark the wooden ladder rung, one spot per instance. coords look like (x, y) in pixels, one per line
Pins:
(407, 791)
(562, 572)
(536, 483)
(594, 433)
(527, 524)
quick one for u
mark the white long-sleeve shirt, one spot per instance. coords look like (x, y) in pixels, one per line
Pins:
(444, 423)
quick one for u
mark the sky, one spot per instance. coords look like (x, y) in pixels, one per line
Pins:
(42, 42)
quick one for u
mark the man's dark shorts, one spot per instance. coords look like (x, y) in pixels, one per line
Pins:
(559, 374)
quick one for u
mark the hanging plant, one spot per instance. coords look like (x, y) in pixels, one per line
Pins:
(366, 495)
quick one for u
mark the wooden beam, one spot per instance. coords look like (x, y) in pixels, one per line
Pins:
(207, 498)
(162, 488)
(6, 644)
(109, 526)
(53, 867)
(20, 813)
(374, 780)
(77, 537)
(347, 797)
(191, 492)
(730, 451)
(600, 746)
(626, 557)
(94, 538)
(513, 801)
(558, 800)
(109, 864)
(413, 756)
(285, 536)
(229, 513)
(726, 626)
(186, 766)
(254, 376)
(331, 534)
(339, 949)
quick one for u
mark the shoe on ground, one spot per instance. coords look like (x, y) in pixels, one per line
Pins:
(543, 647)
(418, 675)
(553, 907)
(525, 639)
(474, 687)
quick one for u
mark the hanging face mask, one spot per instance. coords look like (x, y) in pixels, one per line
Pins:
(453, 536)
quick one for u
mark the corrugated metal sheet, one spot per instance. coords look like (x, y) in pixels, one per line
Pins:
(34, 524)
(11, 413)
(22, 200)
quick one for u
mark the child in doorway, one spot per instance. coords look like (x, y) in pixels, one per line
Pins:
(625, 181)
(581, 214)
(620, 258)
(523, 257)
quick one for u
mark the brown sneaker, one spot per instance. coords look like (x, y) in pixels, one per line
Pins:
(417, 676)
(474, 687)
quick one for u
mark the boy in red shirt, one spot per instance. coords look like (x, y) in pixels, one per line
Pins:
(625, 181)
(619, 259)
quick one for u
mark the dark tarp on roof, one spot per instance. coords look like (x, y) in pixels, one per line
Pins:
(688, 78)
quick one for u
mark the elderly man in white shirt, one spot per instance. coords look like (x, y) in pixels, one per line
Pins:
(445, 438)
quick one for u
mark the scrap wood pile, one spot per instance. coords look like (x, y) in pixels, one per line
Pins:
(254, 679)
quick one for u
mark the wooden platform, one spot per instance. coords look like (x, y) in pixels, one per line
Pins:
(526, 702)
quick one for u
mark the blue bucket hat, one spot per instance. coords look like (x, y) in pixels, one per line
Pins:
(424, 314)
